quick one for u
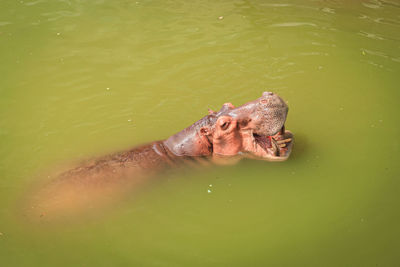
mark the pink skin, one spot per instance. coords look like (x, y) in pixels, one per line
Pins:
(230, 138)
(255, 129)
(226, 138)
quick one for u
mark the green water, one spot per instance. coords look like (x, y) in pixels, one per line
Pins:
(85, 78)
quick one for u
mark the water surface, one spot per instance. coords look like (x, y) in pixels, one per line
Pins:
(85, 78)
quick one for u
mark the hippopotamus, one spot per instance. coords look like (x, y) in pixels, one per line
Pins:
(253, 130)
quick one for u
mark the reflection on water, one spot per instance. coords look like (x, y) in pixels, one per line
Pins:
(82, 79)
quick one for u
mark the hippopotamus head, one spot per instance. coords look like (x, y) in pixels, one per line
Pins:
(255, 129)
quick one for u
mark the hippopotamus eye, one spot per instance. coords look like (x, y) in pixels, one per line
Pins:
(225, 125)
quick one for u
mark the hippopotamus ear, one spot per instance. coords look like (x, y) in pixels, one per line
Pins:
(210, 111)
(226, 107)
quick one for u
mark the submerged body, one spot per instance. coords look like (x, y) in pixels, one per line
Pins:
(254, 130)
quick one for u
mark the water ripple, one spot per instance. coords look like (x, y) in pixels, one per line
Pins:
(371, 35)
(328, 10)
(275, 5)
(374, 5)
(293, 24)
(314, 54)
(391, 3)
(387, 21)
(53, 16)
(381, 54)
(4, 23)
(33, 3)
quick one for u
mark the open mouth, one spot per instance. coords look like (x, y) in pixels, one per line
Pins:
(276, 147)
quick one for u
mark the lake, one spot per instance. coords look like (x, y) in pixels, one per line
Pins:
(80, 79)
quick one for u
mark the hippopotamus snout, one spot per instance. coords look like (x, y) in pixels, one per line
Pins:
(270, 114)
(266, 115)
(271, 100)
